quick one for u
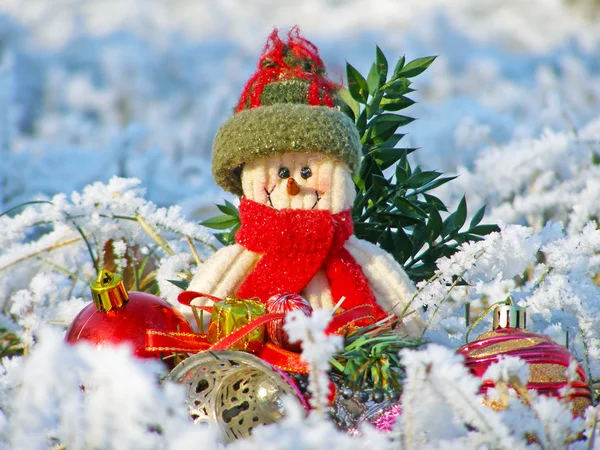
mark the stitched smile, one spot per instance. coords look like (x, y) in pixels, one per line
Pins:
(319, 197)
(317, 201)
(269, 195)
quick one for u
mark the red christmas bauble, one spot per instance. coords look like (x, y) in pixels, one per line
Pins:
(282, 304)
(547, 360)
(125, 317)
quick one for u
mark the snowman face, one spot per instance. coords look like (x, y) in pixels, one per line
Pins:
(299, 181)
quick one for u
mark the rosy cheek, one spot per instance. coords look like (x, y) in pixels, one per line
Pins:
(322, 185)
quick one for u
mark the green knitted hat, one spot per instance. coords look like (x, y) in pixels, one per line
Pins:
(288, 105)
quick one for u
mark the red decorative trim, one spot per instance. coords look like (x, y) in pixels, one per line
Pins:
(282, 359)
(186, 297)
(242, 332)
(173, 341)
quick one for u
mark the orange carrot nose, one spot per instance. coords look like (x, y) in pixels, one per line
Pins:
(292, 187)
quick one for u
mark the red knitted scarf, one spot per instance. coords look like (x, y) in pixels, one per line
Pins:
(294, 245)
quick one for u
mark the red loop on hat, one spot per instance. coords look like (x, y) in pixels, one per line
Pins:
(296, 58)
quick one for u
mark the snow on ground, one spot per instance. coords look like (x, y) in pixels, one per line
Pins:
(93, 92)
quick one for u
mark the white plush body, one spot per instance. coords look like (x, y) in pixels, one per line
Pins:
(330, 188)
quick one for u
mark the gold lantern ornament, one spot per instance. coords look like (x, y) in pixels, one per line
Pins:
(234, 390)
(548, 361)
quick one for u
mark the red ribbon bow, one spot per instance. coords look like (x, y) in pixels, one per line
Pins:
(288, 361)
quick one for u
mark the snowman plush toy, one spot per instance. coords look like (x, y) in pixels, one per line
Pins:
(290, 154)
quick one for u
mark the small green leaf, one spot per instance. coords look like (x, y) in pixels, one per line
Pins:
(422, 271)
(477, 217)
(418, 238)
(363, 172)
(373, 79)
(382, 65)
(460, 214)
(346, 97)
(181, 284)
(438, 251)
(391, 143)
(401, 175)
(380, 181)
(395, 104)
(482, 230)
(375, 170)
(406, 167)
(360, 202)
(228, 209)
(232, 207)
(233, 231)
(386, 241)
(428, 187)
(408, 208)
(416, 67)
(361, 124)
(382, 127)
(422, 179)
(434, 226)
(373, 106)
(397, 89)
(466, 237)
(357, 85)
(367, 231)
(448, 225)
(220, 222)
(395, 219)
(403, 247)
(399, 65)
(223, 238)
(387, 157)
(435, 202)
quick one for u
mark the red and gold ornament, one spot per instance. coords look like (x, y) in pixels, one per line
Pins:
(283, 304)
(117, 316)
(548, 361)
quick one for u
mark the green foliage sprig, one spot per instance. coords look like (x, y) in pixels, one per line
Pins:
(229, 222)
(370, 359)
(394, 207)
(10, 344)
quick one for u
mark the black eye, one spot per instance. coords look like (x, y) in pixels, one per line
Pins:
(284, 172)
(305, 172)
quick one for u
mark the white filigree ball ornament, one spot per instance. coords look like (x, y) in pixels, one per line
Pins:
(234, 390)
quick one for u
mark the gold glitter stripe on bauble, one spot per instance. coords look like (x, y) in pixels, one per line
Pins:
(506, 346)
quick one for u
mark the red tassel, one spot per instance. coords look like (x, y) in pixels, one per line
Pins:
(272, 67)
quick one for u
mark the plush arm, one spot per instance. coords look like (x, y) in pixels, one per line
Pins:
(388, 281)
(222, 274)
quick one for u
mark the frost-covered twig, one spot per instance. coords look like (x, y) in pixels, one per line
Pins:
(37, 251)
(317, 350)
(438, 382)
